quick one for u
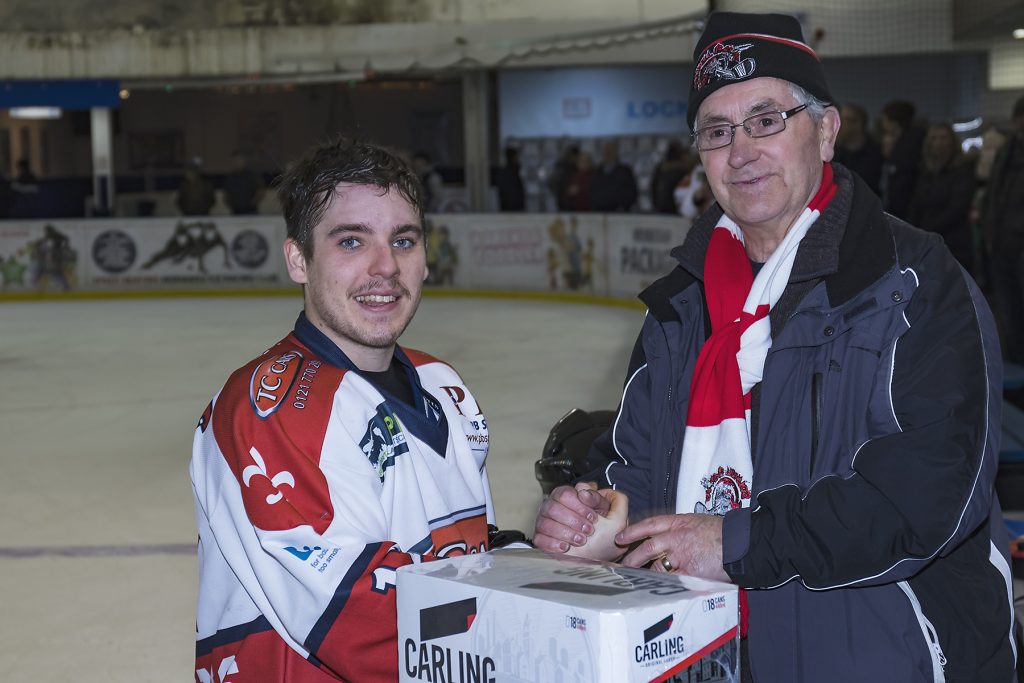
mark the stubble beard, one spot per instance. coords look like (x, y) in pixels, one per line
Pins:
(378, 337)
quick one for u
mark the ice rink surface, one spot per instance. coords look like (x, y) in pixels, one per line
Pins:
(98, 404)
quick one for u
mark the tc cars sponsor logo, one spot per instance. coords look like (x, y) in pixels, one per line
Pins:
(271, 381)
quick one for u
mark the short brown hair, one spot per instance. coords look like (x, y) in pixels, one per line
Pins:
(307, 186)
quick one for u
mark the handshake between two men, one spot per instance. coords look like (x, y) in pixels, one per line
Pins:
(584, 521)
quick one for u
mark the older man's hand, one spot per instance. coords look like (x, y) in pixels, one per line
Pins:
(567, 517)
(689, 543)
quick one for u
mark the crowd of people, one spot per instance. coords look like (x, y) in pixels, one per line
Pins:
(919, 169)
(972, 199)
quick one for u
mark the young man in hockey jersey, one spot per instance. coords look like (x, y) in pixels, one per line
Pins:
(336, 456)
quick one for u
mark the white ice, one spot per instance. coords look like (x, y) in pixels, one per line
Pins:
(98, 403)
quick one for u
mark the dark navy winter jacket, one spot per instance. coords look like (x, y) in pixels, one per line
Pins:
(874, 544)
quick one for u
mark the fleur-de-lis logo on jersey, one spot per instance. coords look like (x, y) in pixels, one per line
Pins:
(260, 470)
(226, 668)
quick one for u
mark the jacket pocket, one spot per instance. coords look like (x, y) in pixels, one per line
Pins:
(931, 638)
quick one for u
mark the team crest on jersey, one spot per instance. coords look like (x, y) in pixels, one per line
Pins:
(722, 62)
(384, 440)
(724, 490)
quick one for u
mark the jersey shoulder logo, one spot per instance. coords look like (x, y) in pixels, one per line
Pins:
(272, 380)
(383, 440)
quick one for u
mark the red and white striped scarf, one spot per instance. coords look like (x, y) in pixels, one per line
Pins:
(715, 470)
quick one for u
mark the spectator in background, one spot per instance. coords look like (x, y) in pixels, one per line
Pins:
(195, 194)
(693, 194)
(25, 193)
(5, 196)
(613, 187)
(1003, 225)
(855, 149)
(901, 147)
(991, 142)
(511, 195)
(564, 169)
(942, 197)
(667, 176)
(25, 176)
(25, 201)
(243, 187)
(577, 189)
(433, 185)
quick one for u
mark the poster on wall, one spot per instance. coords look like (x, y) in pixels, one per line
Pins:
(638, 250)
(40, 256)
(190, 252)
(600, 254)
(553, 252)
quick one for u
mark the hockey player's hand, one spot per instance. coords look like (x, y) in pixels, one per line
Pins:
(567, 517)
(685, 544)
(601, 544)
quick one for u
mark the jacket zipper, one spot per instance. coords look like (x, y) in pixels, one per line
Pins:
(817, 408)
(668, 470)
(928, 630)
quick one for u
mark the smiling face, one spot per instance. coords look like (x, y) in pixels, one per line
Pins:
(364, 276)
(765, 183)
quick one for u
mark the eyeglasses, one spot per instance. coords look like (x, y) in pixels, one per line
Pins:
(757, 126)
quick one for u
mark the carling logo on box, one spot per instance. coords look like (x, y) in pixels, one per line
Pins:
(433, 662)
(447, 620)
(655, 647)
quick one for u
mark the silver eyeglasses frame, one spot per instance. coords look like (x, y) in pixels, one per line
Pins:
(747, 126)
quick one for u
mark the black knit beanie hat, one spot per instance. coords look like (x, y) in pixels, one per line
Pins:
(737, 47)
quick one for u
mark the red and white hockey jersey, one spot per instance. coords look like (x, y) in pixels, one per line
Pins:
(311, 488)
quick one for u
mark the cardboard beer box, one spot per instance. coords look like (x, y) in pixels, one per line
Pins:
(523, 615)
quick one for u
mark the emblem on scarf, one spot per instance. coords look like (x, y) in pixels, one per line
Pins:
(724, 490)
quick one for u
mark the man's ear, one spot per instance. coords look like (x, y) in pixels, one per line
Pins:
(828, 130)
(296, 261)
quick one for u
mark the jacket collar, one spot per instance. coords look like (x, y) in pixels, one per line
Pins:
(849, 246)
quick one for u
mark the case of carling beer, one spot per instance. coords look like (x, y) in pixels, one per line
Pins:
(522, 615)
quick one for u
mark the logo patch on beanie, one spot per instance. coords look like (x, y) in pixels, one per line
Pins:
(722, 62)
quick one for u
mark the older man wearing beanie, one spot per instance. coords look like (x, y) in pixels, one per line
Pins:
(812, 407)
